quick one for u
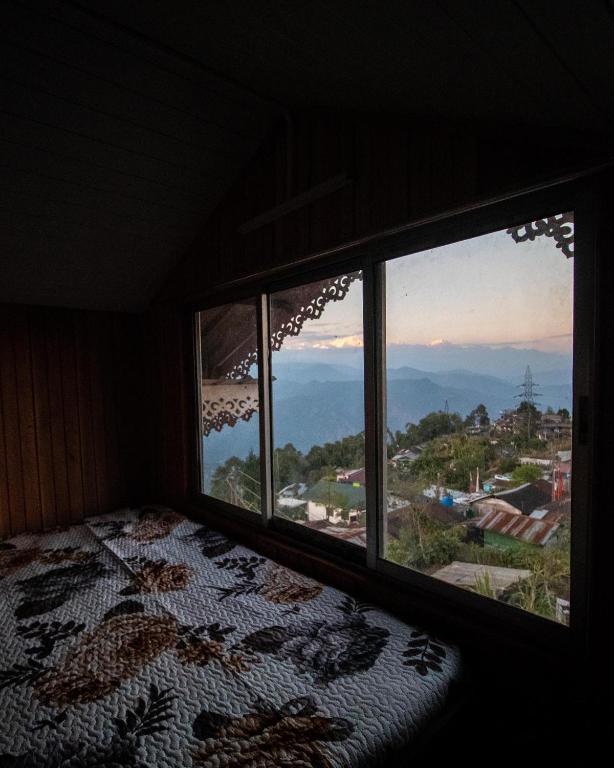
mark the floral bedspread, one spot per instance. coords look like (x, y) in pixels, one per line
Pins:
(142, 638)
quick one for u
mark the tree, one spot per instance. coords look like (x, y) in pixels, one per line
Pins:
(432, 425)
(449, 460)
(288, 465)
(526, 473)
(529, 415)
(478, 417)
(348, 452)
(563, 413)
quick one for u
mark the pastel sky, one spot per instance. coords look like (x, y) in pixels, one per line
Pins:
(486, 290)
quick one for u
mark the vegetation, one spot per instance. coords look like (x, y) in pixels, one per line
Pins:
(429, 545)
(530, 417)
(478, 417)
(451, 460)
(447, 454)
(447, 458)
(431, 426)
(290, 465)
(424, 542)
(526, 473)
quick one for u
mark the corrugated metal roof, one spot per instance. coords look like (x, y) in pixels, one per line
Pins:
(353, 534)
(521, 527)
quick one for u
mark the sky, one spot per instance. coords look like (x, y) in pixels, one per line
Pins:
(487, 290)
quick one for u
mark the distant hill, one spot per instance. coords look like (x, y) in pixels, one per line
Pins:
(318, 403)
(314, 371)
(503, 362)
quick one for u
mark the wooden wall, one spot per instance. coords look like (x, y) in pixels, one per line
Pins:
(398, 171)
(70, 415)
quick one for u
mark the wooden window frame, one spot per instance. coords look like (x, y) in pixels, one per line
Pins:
(369, 254)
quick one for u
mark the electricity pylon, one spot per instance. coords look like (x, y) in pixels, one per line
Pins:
(528, 395)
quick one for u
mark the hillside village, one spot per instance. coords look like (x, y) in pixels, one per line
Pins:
(482, 504)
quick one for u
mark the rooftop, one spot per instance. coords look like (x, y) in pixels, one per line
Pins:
(522, 527)
(524, 498)
(466, 575)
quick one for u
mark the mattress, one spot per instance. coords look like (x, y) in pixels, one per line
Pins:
(142, 638)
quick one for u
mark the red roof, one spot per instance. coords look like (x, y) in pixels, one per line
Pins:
(355, 476)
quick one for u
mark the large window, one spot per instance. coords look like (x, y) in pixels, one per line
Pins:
(317, 368)
(416, 409)
(479, 337)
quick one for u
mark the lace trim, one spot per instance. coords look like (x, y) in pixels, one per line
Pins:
(559, 227)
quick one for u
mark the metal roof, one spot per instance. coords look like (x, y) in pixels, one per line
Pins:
(522, 527)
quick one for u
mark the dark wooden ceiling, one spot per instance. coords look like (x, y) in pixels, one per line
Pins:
(123, 123)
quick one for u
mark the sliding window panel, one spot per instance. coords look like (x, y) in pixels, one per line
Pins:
(317, 374)
(479, 368)
(230, 404)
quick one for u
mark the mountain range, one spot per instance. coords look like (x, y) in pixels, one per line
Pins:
(316, 402)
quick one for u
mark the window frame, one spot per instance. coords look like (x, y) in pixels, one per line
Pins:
(369, 254)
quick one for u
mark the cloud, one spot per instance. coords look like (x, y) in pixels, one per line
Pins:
(347, 341)
(353, 341)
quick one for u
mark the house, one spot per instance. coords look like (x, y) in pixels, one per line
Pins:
(352, 476)
(552, 426)
(508, 422)
(336, 503)
(517, 501)
(545, 463)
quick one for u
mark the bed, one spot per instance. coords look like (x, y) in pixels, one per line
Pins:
(142, 638)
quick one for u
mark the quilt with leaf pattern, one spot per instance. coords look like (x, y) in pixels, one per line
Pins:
(142, 638)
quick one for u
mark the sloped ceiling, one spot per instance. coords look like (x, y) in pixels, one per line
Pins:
(123, 123)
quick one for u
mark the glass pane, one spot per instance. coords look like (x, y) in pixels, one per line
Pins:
(230, 420)
(479, 396)
(318, 406)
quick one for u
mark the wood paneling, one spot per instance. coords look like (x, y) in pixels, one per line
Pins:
(70, 415)
(169, 404)
(401, 170)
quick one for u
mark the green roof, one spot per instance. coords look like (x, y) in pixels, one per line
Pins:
(328, 491)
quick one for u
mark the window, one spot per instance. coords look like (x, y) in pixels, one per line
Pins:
(416, 411)
(230, 466)
(317, 367)
(479, 340)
